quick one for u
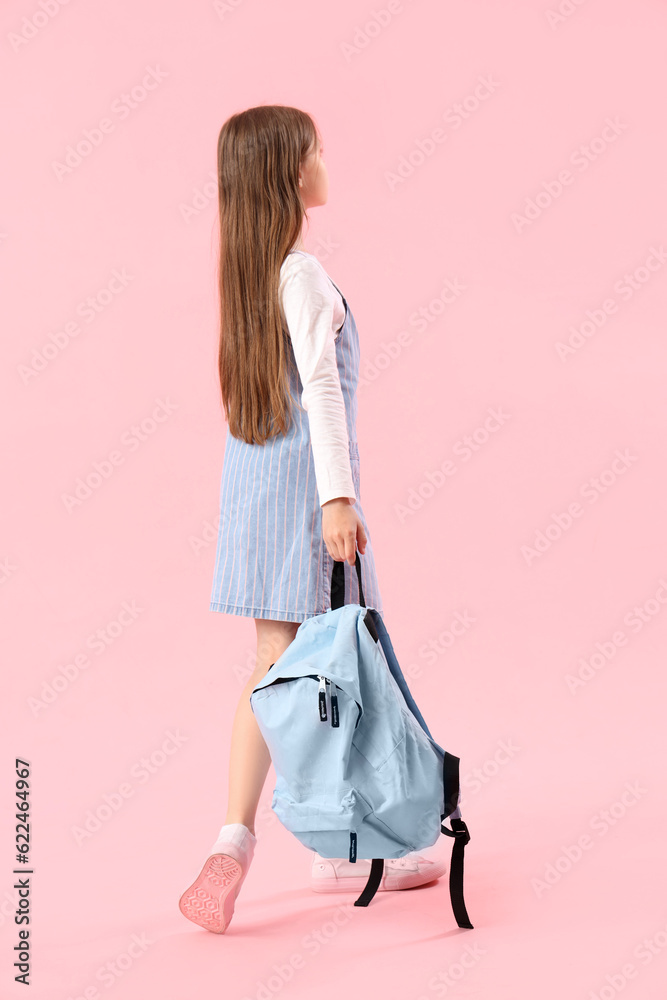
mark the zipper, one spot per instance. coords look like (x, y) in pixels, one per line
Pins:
(334, 705)
(322, 699)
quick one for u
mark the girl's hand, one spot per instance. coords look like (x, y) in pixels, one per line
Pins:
(342, 530)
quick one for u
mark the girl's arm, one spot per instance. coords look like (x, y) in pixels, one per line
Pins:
(312, 311)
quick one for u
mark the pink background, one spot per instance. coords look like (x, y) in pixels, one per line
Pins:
(590, 259)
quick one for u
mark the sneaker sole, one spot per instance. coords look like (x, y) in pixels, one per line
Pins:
(209, 901)
(390, 882)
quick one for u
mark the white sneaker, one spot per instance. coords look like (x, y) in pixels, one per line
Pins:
(342, 875)
(209, 901)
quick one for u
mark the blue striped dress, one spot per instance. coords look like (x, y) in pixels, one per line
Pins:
(271, 560)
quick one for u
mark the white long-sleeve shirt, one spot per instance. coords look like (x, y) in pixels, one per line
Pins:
(314, 312)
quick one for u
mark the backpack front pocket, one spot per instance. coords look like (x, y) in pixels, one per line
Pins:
(377, 738)
(306, 724)
(320, 811)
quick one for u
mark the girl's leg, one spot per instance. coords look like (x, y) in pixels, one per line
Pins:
(249, 757)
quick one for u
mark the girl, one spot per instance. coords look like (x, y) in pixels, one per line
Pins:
(289, 496)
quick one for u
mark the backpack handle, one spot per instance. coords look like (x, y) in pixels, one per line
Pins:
(338, 583)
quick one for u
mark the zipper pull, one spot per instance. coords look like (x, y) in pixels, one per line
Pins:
(323, 698)
(334, 705)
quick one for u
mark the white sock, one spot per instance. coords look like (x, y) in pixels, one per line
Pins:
(237, 833)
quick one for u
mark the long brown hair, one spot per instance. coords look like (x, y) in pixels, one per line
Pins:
(261, 214)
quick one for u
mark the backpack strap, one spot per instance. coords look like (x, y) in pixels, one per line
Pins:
(450, 774)
(338, 583)
(378, 630)
(459, 830)
(374, 879)
(450, 768)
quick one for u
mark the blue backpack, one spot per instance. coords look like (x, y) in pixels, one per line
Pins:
(358, 772)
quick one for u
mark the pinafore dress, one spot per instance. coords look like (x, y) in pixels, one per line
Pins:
(271, 560)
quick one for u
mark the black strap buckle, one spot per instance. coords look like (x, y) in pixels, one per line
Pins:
(459, 830)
